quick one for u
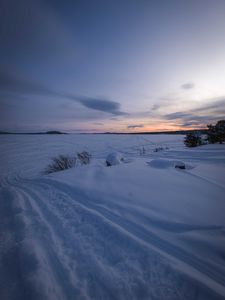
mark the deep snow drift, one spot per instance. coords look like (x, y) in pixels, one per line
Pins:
(137, 230)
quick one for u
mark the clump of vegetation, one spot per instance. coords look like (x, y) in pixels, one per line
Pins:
(157, 149)
(192, 140)
(84, 157)
(64, 162)
(60, 163)
(216, 133)
(142, 151)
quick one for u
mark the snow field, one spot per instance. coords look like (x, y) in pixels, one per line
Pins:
(137, 230)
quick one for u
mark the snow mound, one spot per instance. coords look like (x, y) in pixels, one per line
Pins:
(114, 158)
(160, 163)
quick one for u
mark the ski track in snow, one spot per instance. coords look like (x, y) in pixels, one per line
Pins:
(60, 241)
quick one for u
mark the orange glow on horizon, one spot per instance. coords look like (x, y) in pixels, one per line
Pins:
(163, 128)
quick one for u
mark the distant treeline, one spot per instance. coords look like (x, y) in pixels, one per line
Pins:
(200, 131)
(47, 132)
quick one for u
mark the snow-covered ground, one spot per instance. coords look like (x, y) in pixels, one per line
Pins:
(138, 230)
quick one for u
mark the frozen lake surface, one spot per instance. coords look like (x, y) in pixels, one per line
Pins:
(139, 230)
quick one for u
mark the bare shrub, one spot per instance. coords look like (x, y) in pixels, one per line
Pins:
(84, 157)
(60, 163)
(157, 149)
(142, 151)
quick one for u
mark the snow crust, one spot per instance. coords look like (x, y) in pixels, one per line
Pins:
(139, 230)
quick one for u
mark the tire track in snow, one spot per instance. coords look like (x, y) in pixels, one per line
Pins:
(49, 216)
(140, 234)
(16, 261)
(62, 283)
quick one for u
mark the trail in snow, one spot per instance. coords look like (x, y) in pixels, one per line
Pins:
(131, 231)
(85, 250)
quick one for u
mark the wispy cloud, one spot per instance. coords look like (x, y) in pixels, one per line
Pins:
(177, 115)
(188, 86)
(155, 107)
(211, 111)
(103, 105)
(9, 82)
(98, 123)
(217, 104)
(12, 82)
(191, 124)
(135, 126)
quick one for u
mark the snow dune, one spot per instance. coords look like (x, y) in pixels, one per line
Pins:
(137, 230)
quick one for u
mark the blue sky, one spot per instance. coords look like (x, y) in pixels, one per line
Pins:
(109, 65)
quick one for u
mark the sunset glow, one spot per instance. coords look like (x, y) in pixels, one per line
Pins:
(124, 66)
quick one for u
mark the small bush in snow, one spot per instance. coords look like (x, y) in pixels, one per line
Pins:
(157, 149)
(142, 151)
(84, 157)
(60, 163)
(192, 140)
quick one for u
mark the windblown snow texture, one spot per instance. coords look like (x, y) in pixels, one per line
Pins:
(138, 230)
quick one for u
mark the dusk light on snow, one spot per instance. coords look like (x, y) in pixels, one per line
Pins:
(112, 149)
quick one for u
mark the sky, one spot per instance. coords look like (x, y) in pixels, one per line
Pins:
(111, 65)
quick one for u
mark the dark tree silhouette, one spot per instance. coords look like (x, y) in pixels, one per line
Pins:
(192, 140)
(216, 133)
